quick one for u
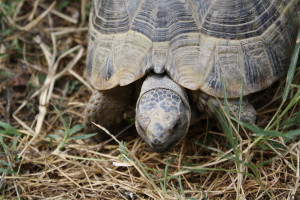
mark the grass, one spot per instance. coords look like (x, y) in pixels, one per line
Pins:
(64, 136)
(45, 154)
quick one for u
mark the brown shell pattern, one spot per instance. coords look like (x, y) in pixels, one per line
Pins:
(202, 44)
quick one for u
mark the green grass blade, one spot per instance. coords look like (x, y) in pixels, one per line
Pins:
(226, 104)
(76, 129)
(292, 102)
(292, 68)
(257, 130)
(166, 173)
(61, 117)
(292, 134)
(7, 171)
(82, 137)
(224, 124)
(53, 136)
(8, 129)
(2, 162)
(240, 105)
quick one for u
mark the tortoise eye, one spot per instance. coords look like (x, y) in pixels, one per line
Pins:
(176, 126)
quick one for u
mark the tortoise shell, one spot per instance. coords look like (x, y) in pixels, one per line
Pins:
(209, 45)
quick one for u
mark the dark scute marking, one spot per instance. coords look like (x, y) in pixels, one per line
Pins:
(163, 20)
(147, 104)
(239, 19)
(214, 79)
(251, 68)
(274, 60)
(279, 46)
(151, 105)
(158, 130)
(176, 98)
(109, 73)
(165, 106)
(202, 7)
(108, 70)
(112, 16)
(174, 108)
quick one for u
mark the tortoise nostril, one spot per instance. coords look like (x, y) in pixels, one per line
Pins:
(156, 141)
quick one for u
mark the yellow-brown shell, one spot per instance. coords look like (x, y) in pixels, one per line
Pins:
(201, 44)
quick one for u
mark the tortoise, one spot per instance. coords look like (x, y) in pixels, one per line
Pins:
(181, 56)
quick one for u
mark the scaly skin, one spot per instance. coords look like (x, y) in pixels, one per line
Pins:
(201, 100)
(106, 107)
(162, 113)
(247, 113)
(161, 118)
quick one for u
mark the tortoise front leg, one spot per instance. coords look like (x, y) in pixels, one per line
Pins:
(106, 108)
(247, 113)
(201, 100)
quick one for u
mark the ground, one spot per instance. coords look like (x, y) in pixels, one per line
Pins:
(46, 155)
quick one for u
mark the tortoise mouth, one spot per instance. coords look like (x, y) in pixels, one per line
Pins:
(162, 147)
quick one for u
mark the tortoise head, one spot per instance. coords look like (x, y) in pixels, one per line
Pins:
(162, 118)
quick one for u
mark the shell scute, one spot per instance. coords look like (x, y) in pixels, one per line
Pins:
(201, 44)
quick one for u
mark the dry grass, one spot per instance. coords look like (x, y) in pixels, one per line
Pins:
(42, 62)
